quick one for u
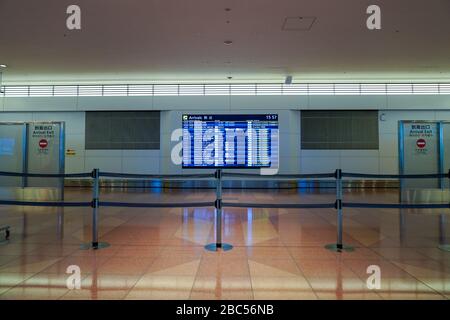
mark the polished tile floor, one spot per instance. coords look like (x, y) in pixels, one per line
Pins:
(277, 254)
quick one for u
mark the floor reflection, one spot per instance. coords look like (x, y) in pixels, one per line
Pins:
(278, 253)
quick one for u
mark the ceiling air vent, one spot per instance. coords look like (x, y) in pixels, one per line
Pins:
(298, 23)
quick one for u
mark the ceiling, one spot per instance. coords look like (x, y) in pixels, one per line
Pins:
(123, 41)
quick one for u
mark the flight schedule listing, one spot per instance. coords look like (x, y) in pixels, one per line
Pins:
(239, 141)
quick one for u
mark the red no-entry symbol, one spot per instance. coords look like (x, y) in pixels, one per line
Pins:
(421, 143)
(43, 143)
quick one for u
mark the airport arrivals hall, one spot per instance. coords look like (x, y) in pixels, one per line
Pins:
(224, 150)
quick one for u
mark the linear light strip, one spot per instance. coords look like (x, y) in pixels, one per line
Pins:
(327, 89)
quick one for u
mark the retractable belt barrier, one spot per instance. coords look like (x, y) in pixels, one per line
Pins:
(279, 205)
(396, 176)
(218, 204)
(278, 176)
(45, 203)
(156, 176)
(156, 205)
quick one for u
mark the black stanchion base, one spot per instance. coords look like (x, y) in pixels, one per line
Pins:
(217, 247)
(339, 248)
(90, 245)
(444, 247)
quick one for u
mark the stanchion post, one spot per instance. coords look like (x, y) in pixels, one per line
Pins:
(443, 237)
(339, 245)
(218, 208)
(95, 194)
(218, 221)
(339, 208)
(95, 244)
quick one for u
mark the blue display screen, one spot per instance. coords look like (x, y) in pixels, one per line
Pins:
(230, 141)
(7, 146)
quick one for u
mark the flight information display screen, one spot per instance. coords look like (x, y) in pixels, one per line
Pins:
(230, 141)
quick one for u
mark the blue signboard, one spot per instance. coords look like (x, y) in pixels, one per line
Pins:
(230, 141)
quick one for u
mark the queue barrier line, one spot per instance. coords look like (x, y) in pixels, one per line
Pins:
(226, 204)
(396, 206)
(155, 205)
(396, 176)
(45, 203)
(155, 176)
(218, 204)
(279, 176)
(47, 175)
(226, 174)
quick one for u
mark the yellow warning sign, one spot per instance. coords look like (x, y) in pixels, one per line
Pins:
(70, 152)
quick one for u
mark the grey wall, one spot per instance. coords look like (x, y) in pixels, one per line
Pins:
(292, 158)
(289, 131)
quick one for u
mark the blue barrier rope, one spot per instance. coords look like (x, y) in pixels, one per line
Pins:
(46, 175)
(395, 206)
(155, 205)
(279, 176)
(279, 205)
(154, 176)
(226, 204)
(395, 176)
(45, 203)
(226, 174)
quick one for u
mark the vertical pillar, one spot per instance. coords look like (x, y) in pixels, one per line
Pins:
(339, 208)
(95, 194)
(62, 170)
(218, 217)
(442, 225)
(339, 246)
(401, 158)
(440, 127)
(218, 208)
(95, 244)
(25, 142)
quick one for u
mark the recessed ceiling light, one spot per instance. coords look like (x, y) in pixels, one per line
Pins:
(3, 65)
(228, 42)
